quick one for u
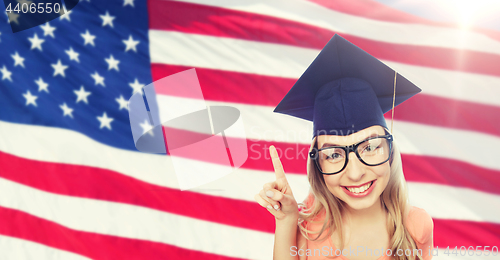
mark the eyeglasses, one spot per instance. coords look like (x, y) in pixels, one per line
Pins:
(372, 151)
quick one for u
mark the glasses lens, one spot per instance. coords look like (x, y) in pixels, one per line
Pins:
(331, 160)
(374, 151)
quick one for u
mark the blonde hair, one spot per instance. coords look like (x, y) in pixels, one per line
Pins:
(394, 200)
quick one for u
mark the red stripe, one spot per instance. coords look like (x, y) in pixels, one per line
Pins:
(465, 233)
(227, 86)
(374, 10)
(206, 20)
(92, 245)
(92, 182)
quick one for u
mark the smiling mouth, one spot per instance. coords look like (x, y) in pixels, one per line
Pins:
(359, 189)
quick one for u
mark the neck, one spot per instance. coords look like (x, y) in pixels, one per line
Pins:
(367, 215)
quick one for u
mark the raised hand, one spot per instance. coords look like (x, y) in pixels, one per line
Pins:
(277, 196)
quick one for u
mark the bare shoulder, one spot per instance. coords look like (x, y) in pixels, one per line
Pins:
(420, 225)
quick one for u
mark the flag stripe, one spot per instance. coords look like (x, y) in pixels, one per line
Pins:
(89, 244)
(22, 249)
(241, 25)
(142, 224)
(228, 86)
(93, 183)
(374, 10)
(289, 62)
(309, 13)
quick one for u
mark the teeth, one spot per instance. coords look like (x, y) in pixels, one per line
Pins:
(360, 189)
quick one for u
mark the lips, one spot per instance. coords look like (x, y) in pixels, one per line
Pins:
(360, 190)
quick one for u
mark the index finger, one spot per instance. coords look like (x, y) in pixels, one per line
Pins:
(278, 167)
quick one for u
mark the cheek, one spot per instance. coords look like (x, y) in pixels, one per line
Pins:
(332, 182)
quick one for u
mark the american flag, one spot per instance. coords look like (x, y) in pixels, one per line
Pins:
(73, 186)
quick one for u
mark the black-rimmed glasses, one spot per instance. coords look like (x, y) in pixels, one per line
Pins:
(372, 151)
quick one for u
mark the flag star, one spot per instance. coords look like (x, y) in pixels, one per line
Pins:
(81, 95)
(105, 121)
(36, 42)
(122, 102)
(13, 18)
(67, 111)
(66, 14)
(6, 74)
(42, 86)
(136, 86)
(89, 38)
(146, 127)
(98, 79)
(107, 19)
(59, 68)
(128, 2)
(18, 60)
(112, 63)
(73, 55)
(30, 99)
(130, 44)
(21, 2)
(48, 30)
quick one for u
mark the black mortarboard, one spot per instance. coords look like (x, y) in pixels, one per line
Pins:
(345, 90)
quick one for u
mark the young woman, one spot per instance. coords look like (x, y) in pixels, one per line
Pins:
(358, 206)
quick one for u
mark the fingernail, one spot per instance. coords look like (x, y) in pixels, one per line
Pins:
(274, 154)
(269, 193)
(269, 207)
(276, 207)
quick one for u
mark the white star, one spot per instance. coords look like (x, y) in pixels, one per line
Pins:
(30, 99)
(42, 86)
(21, 2)
(112, 63)
(66, 15)
(48, 30)
(146, 127)
(13, 17)
(122, 102)
(36, 42)
(105, 121)
(89, 38)
(6, 73)
(98, 79)
(67, 111)
(128, 2)
(59, 68)
(136, 86)
(18, 60)
(107, 19)
(81, 95)
(73, 55)
(130, 44)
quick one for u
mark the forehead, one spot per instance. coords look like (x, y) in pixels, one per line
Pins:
(351, 139)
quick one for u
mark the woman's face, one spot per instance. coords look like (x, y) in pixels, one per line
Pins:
(358, 185)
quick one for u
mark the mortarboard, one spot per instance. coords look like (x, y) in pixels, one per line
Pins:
(345, 90)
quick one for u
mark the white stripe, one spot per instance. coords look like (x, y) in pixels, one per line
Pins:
(20, 249)
(134, 222)
(446, 202)
(243, 184)
(219, 53)
(399, 33)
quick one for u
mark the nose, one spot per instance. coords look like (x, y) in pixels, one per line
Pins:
(355, 168)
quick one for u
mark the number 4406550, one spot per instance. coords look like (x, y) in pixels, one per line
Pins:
(478, 250)
(35, 8)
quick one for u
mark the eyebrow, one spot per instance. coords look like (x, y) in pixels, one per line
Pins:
(331, 144)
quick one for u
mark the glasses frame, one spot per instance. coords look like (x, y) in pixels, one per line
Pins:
(348, 149)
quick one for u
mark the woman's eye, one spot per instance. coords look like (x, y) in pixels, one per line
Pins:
(334, 156)
(370, 148)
